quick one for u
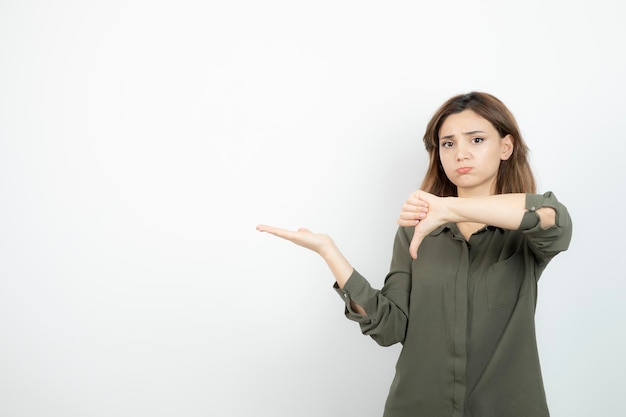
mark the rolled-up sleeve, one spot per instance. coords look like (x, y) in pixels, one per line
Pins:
(546, 243)
(387, 309)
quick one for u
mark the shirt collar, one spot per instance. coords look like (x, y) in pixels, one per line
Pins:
(440, 229)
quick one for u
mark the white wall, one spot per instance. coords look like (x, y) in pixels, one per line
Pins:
(142, 141)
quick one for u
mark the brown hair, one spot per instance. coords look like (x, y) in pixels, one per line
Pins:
(514, 175)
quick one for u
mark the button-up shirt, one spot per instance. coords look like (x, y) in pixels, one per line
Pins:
(464, 312)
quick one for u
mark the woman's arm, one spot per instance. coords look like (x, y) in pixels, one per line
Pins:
(501, 210)
(324, 246)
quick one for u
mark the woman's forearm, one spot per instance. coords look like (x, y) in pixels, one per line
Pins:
(338, 264)
(341, 269)
(500, 210)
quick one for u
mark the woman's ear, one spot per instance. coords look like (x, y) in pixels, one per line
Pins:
(507, 147)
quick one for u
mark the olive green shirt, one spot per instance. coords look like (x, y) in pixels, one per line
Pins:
(464, 312)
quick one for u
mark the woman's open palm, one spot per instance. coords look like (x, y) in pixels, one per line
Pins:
(317, 242)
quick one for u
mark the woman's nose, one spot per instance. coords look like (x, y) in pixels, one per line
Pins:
(461, 154)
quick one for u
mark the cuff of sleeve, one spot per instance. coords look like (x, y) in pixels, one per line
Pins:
(531, 219)
(355, 289)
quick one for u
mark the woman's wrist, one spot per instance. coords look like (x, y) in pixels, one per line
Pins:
(328, 249)
(447, 210)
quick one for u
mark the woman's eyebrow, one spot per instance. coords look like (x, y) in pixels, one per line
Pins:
(473, 132)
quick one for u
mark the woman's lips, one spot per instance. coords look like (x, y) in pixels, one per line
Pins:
(464, 170)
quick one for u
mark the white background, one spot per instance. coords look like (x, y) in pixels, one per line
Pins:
(141, 142)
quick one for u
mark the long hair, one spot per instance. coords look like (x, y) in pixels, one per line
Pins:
(514, 174)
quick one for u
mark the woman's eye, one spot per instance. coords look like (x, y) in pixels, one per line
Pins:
(447, 144)
(477, 140)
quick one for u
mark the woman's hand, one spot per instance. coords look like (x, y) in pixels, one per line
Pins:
(317, 242)
(323, 245)
(424, 211)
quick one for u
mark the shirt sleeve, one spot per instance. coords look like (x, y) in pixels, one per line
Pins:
(546, 243)
(387, 309)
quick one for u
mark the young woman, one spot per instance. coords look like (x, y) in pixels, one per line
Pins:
(462, 288)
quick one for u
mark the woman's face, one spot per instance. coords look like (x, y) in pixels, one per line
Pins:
(470, 150)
